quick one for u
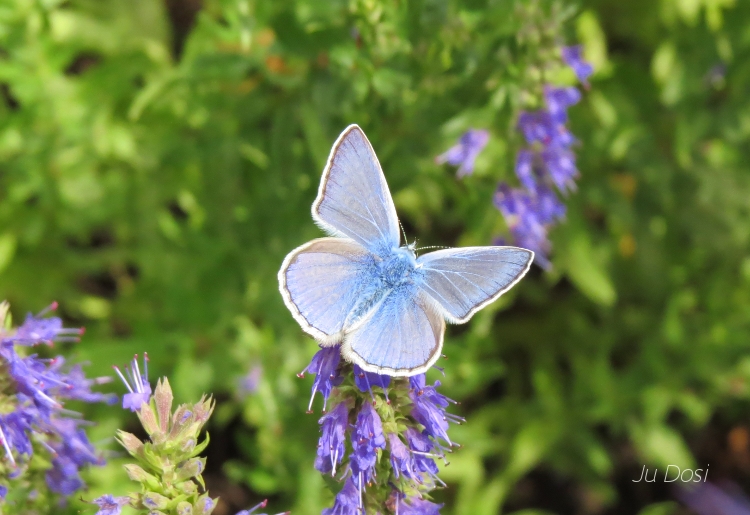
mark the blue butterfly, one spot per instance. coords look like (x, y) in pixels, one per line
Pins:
(361, 288)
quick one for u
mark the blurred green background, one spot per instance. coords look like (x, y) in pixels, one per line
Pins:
(158, 159)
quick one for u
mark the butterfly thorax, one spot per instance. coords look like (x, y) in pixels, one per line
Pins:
(397, 268)
(390, 273)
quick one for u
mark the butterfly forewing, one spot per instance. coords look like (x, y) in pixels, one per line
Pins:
(402, 337)
(464, 280)
(353, 199)
(322, 280)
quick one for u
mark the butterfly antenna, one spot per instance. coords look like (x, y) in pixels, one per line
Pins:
(433, 247)
(402, 230)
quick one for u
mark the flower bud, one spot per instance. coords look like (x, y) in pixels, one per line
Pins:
(184, 508)
(204, 506)
(153, 501)
(163, 399)
(191, 468)
(148, 421)
(131, 443)
(136, 473)
(187, 487)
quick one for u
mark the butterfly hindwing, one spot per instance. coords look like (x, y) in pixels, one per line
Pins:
(464, 280)
(321, 281)
(353, 199)
(402, 336)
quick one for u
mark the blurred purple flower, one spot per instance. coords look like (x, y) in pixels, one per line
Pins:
(540, 126)
(110, 505)
(465, 152)
(348, 500)
(325, 366)
(15, 431)
(412, 505)
(529, 216)
(573, 57)
(708, 499)
(561, 167)
(716, 75)
(248, 384)
(139, 389)
(331, 446)
(558, 100)
(63, 477)
(37, 330)
(525, 169)
(537, 126)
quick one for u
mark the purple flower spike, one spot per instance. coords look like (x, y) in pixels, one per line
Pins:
(558, 100)
(331, 447)
(325, 366)
(347, 500)
(137, 384)
(110, 505)
(366, 380)
(465, 152)
(573, 57)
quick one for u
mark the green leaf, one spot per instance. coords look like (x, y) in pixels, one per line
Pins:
(7, 249)
(587, 271)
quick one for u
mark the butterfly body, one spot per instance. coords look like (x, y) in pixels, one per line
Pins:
(361, 288)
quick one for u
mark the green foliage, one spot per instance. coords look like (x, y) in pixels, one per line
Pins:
(152, 185)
